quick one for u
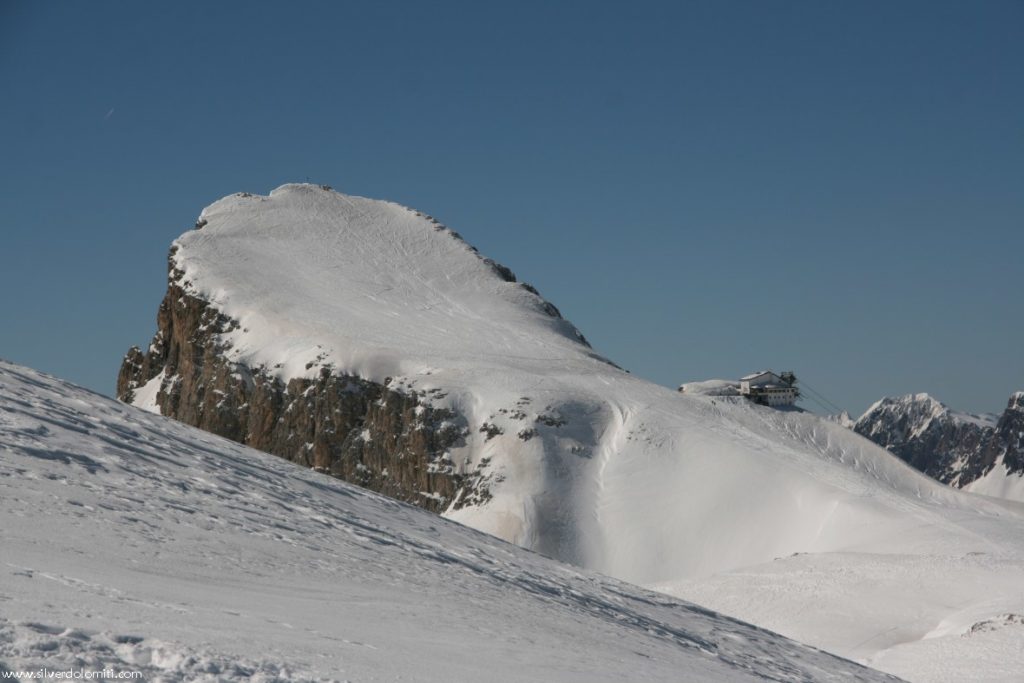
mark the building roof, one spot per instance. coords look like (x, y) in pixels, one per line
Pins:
(756, 375)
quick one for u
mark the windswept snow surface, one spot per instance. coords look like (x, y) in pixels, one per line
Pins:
(706, 497)
(134, 543)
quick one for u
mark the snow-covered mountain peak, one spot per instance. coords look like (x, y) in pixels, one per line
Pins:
(922, 399)
(977, 452)
(913, 414)
(368, 286)
(907, 416)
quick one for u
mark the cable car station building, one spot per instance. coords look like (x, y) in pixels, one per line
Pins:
(770, 389)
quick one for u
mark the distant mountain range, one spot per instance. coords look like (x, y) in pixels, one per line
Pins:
(979, 453)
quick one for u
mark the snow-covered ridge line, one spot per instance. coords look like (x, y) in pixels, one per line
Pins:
(135, 542)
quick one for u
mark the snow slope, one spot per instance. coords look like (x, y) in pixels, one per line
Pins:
(999, 482)
(132, 542)
(695, 494)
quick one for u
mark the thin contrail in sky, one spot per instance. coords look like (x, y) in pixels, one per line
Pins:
(109, 114)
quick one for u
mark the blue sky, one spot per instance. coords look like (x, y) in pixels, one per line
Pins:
(704, 188)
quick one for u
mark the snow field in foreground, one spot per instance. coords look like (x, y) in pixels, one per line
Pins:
(130, 540)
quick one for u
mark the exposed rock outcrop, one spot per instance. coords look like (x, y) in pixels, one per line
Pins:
(384, 438)
(1007, 442)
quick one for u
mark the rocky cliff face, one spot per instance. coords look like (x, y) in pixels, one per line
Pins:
(1007, 443)
(382, 437)
(954, 448)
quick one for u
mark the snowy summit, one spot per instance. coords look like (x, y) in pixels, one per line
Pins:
(372, 287)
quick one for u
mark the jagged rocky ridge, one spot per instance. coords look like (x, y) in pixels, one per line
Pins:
(955, 448)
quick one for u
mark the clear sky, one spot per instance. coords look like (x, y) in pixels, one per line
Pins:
(704, 188)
